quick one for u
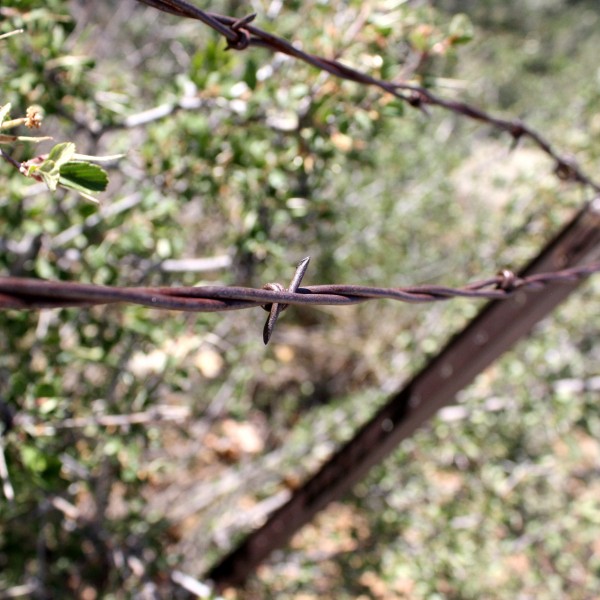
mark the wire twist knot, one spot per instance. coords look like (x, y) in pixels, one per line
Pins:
(274, 287)
(508, 280)
(243, 36)
(275, 308)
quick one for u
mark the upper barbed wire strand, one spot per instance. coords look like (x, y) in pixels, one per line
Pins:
(240, 34)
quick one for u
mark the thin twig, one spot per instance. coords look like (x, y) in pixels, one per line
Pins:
(159, 414)
(190, 584)
(10, 160)
(11, 33)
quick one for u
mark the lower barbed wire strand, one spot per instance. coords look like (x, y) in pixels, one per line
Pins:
(25, 293)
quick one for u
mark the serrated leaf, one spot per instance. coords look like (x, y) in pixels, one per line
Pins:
(83, 177)
(62, 153)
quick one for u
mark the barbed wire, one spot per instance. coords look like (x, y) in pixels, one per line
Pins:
(26, 293)
(241, 34)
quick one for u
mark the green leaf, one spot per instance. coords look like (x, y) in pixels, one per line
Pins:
(62, 153)
(250, 74)
(395, 108)
(83, 176)
(461, 29)
(48, 171)
(420, 39)
(33, 459)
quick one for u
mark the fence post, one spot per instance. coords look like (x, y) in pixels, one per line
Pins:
(498, 326)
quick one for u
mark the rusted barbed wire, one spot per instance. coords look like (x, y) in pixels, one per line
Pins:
(26, 293)
(241, 34)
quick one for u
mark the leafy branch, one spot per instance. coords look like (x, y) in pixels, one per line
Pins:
(62, 166)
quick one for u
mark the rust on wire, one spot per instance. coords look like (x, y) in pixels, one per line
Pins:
(26, 293)
(241, 34)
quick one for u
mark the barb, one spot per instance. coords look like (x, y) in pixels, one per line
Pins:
(275, 309)
(241, 34)
(24, 293)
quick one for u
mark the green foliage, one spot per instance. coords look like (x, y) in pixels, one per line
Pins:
(58, 168)
(264, 160)
(461, 29)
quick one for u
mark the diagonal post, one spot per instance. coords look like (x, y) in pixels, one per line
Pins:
(498, 326)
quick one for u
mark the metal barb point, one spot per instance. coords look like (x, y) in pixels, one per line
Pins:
(275, 309)
(243, 21)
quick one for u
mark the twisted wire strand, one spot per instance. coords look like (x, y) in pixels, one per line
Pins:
(25, 293)
(241, 34)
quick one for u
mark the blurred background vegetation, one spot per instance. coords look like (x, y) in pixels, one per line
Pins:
(145, 444)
